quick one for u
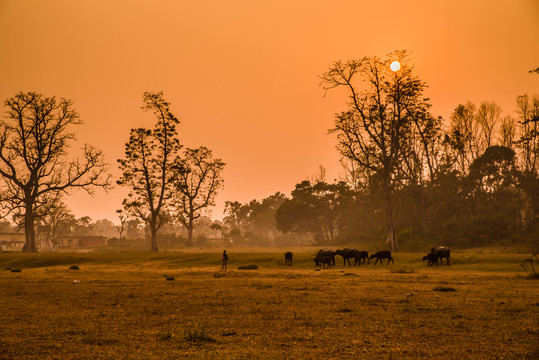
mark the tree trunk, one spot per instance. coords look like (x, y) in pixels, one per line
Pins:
(153, 232)
(189, 241)
(390, 225)
(30, 231)
(423, 209)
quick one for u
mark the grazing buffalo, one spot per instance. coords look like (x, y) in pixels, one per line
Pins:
(322, 254)
(347, 254)
(385, 254)
(327, 260)
(355, 254)
(288, 258)
(431, 259)
(441, 252)
(362, 255)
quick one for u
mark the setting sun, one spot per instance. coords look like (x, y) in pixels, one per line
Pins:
(395, 66)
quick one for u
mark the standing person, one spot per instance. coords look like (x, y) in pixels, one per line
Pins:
(225, 259)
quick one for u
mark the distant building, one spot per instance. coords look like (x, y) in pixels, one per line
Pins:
(80, 241)
(12, 241)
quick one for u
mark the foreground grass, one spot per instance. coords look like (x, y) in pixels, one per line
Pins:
(123, 307)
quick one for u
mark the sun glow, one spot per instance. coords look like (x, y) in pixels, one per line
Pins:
(395, 66)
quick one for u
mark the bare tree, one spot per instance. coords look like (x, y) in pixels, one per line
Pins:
(150, 165)
(508, 130)
(122, 216)
(57, 221)
(319, 176)
(197, 183)
(354, 175)
(374, 130)
(34, 138)
(488, 117)
(464, 136)
(528, 142)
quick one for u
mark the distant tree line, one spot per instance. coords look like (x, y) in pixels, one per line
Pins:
(409, 177)
(167, 183)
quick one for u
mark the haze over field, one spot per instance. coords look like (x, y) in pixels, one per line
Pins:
(243, 76)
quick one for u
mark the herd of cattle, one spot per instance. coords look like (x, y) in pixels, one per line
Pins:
(326, 257)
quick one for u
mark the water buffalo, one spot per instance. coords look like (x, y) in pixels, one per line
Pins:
(288, 258)
(322, 254)
(441, 252)
(431, 259)
(327, 260)
(385, 254)
(362, 255)
(347, 254)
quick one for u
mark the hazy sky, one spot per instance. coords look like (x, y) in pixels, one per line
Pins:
(243, 75)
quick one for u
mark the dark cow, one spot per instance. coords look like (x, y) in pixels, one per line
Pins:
(347, 254)
(431, 259)
(288, 258)
(385, 254)
(327, 260)
(441, 252)
(322, 254)
(362, 255)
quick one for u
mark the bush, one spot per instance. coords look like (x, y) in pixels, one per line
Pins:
(248, 267)
(444, 288)
(198, 336)
(403, 271)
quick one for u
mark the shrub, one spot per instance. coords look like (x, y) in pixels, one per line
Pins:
(164, 335)
(248, 267)
(444, 288)
(198, 336)
(403, 271)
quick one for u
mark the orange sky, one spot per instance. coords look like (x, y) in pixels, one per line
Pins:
(242, 75)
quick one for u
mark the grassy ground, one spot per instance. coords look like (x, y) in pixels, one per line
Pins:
(173, 305)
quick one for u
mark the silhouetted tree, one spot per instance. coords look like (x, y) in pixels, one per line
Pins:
(134, 229)
(196, 184)
(464, 136)
(259, 218)
(314, 209)
(528, 142)
(426, 155)
(151, 165)
(34, 164)
(231, 213)
(495, 169)
(508, 131)
(122, 216)
(57, 221)
(374, 130)
(218, 227)
(488, 117)
(492, 199)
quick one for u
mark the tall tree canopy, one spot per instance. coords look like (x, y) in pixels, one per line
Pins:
(150, 166)
(36, 169)
(383, 108)
(196, 185)
(314, 209)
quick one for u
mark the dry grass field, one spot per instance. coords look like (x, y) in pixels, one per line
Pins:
(175, 305)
